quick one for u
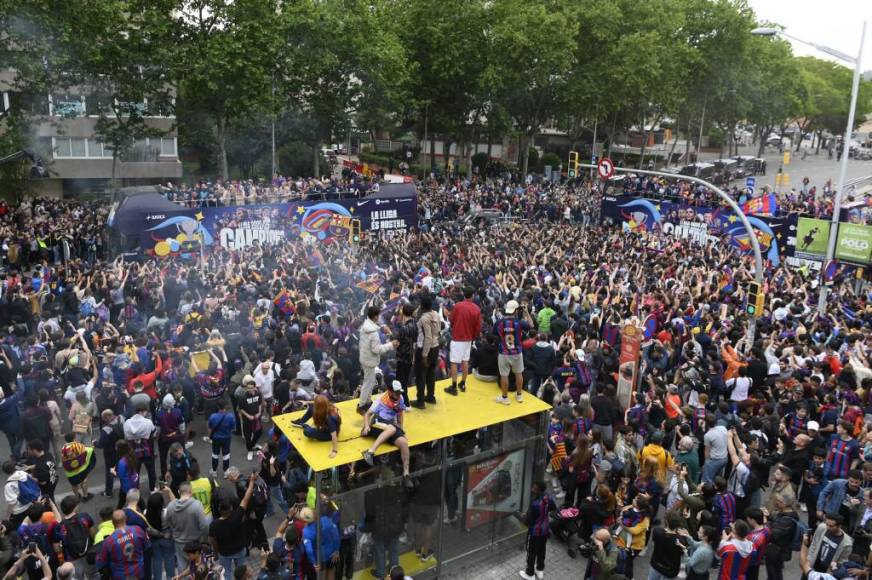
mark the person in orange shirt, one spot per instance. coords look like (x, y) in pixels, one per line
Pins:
(732, 361)
(672, 404)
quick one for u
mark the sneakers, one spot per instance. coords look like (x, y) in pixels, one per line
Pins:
(189, 444)
(519, 396)
(407, 481)
(452, 390)
(206, 439)
(430, 400)
(250, 455)
(462, 386)
(107, 494)
(369, 457)
(426, 556)
(213, 474)
(503, 400)
(540, 574)
(526, 576)
(296, 424)
(419, 404)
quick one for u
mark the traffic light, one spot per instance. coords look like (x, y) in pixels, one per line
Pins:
(356, 236)
(573, 164)
(756, 299)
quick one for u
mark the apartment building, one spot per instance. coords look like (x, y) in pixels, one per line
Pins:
(63, 128)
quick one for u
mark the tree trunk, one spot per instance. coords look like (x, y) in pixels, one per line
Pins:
(221, 141)
(672, 149)
(316, 150)
(820, 138)
(114, 165)
(525, 156)
(432, 151)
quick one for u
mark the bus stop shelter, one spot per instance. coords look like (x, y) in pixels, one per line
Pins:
(472, 460)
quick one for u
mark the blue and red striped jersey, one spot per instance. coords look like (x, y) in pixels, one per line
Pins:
(839, 457)
(725, 508)
(760, 539)
(537, 516)
(734, 566)
(509, 330)
(124, 552)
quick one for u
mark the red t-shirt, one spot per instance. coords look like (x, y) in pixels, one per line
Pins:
(465, 319)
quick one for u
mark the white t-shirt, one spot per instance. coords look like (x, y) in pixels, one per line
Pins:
(71, 392)
(264, 381)
(740, 386)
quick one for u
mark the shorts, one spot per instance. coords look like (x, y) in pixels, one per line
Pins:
(459, 351)
(510, 363)
(424, 514)
(377, 427)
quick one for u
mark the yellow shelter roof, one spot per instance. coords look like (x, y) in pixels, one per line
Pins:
(451, 415)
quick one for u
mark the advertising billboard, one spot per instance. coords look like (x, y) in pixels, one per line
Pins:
(811, 238)
(854, 243)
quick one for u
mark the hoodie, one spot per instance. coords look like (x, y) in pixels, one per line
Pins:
(735, 556)
(186, 519)
(664, 459)
(10, 492)
(371, 347)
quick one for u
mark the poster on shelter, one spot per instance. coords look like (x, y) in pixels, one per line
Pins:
(494, 488)
(628, 363)
(183, 233)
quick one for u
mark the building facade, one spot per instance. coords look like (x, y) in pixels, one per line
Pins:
(63, 128)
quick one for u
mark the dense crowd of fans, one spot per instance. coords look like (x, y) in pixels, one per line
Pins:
(107, 365)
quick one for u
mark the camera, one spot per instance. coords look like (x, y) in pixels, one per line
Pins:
(31, 548)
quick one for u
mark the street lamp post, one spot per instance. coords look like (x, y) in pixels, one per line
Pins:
(755, 244)
(843, 167)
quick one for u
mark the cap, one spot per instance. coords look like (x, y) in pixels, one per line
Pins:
(813, 426)
(397, 386)
(657, 437)
(511, 306)
(247, 379)
(169, 401)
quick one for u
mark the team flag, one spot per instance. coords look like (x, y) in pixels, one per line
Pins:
(423, 272)
(726, 283)
(763, 205)
(650, 326)
(370, 285)
(830, 271)
(284, 303)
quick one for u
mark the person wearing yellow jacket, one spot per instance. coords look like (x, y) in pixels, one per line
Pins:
(630, 539)
(655, 450)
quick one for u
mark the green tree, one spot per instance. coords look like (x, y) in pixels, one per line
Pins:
(352, 59)
(532, 52)
(227, 57)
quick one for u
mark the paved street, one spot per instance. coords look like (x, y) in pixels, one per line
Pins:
(818, 168)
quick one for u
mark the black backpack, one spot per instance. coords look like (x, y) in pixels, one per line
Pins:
(77, 540)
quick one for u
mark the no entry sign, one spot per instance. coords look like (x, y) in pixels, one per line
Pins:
(605, 168)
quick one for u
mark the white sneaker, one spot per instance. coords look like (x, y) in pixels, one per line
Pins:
(803, 507)
(213, 474)
(503, 400)
(519, 396)
(206, 439)
(250, 455)
(540, 574)
(189, 444)
(524, 575)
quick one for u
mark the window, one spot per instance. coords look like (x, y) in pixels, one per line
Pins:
(61, 147)
(70, 147)
(168, 147)
(78, 147)
(64, 105)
